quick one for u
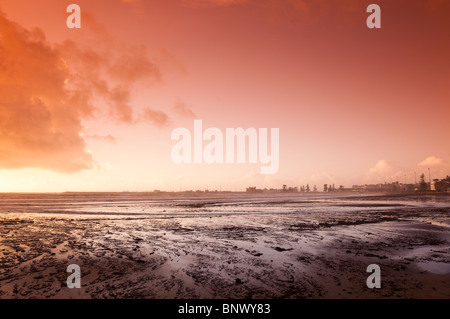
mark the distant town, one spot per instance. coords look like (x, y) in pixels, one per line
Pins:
(436, 185)
(420, 186)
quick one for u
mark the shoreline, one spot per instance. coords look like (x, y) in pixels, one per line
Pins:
(297, 255)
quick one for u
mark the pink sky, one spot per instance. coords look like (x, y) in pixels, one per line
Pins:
(93, 109)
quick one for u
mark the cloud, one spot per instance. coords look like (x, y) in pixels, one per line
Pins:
(171, 61)
(183, 110)
(108, 74)
(156, 117)
(433, 161)
(134, 66)
(439, 167)
(39, 118)
(107, 138)
(384, 171)
(46, 90)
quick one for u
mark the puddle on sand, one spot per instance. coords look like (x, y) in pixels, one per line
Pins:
(435, 267)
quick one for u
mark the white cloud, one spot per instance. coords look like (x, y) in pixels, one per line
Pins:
(387, 171)
(439, 167)
(433, 161)
(384, 171)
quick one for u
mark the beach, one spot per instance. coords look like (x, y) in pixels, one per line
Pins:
(239, 246)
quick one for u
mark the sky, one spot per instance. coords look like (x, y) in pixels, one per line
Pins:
(93, 109)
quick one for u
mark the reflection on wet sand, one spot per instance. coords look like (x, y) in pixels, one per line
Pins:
(223, 246)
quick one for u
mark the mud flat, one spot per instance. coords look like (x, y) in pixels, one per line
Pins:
(295, 254)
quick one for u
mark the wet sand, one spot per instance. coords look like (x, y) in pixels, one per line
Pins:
(210, 255)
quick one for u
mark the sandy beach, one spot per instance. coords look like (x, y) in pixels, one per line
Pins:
(220, 246)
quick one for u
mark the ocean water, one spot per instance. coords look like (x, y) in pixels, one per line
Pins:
(131, 204)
